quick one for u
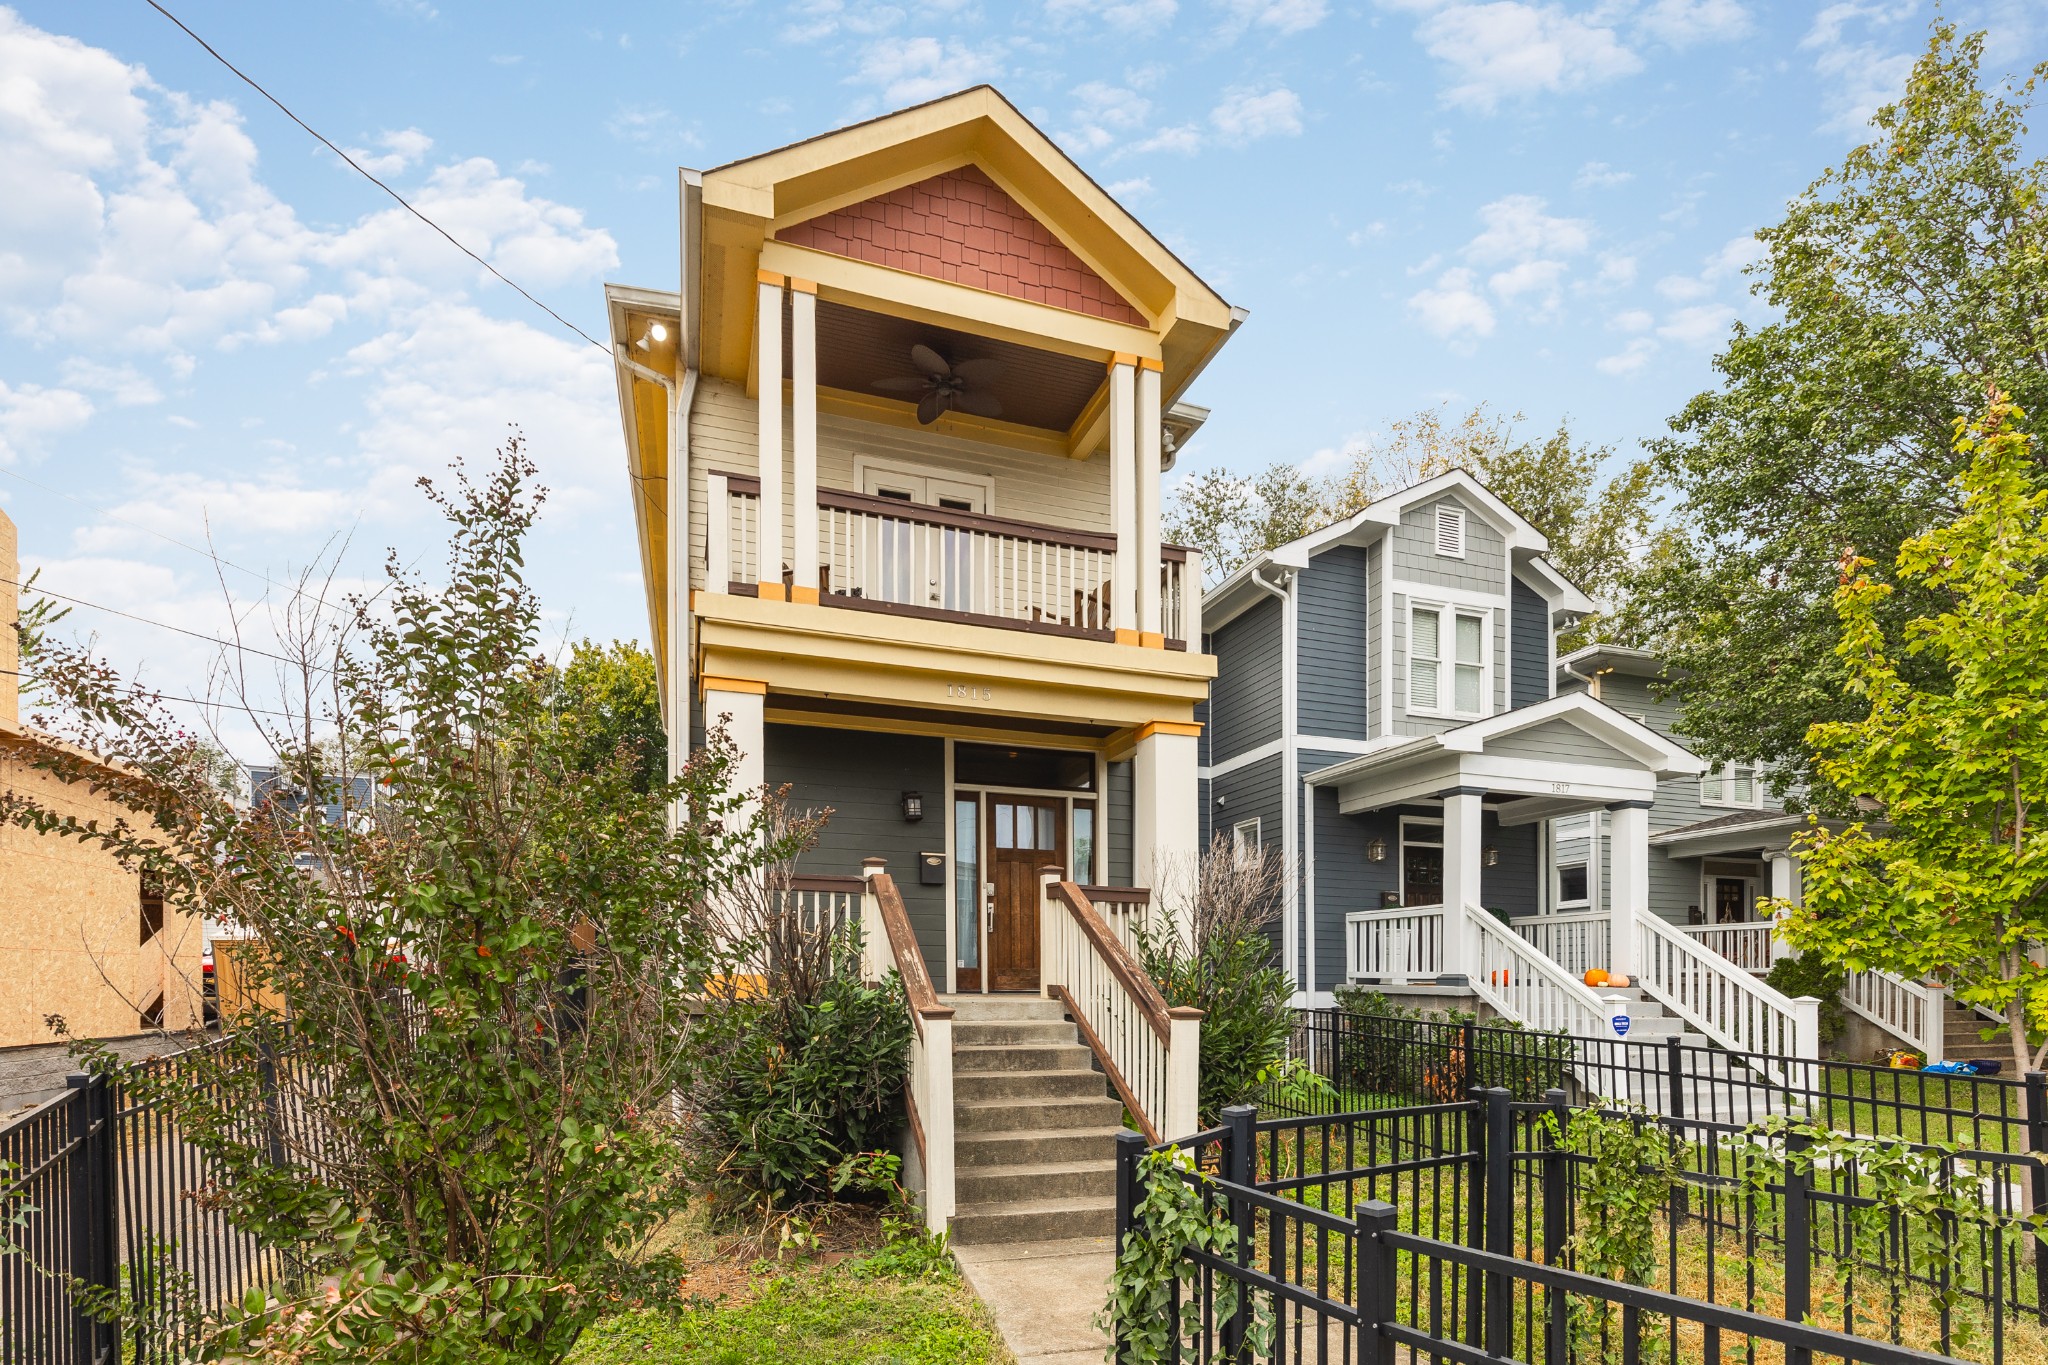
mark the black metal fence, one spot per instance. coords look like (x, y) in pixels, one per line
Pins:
(99, 1189)
(1362, 1061)
(1450, 1230)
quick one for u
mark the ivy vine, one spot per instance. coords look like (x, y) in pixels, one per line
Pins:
(1625, 1185)
(1171, 1218)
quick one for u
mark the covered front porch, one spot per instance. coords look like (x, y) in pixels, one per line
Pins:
(1487, 791)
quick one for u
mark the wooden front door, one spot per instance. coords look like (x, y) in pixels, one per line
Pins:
(1025, 833)
(1422, 874)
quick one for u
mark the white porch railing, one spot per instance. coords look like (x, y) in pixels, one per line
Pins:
(1394, 945)
(1150, 1052)
(1722, 1000)
(936, 560)
(1911, 1010)
(1576, 942)
(1523, 983)
(889, 941)
(1127, 910)
(823, 905)
(1752, 947)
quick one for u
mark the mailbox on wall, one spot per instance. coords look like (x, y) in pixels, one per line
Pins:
(931, 869)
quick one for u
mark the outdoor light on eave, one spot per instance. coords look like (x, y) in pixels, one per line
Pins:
(913, 807)
(655, 332)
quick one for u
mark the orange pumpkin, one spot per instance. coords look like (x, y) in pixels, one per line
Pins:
(1595, 977)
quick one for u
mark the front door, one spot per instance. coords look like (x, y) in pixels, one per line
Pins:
(1731, 900)
(1422, 874)
(1025, 833)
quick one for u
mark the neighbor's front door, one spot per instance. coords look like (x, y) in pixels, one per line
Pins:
(1422, 874)
(1024, 834)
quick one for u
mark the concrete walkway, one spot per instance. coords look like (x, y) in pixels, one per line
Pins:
(1044, 1296)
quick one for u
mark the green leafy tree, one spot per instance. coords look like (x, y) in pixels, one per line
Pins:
(473, 991)
(1951, 880)
(1905, 279)
(608, 700)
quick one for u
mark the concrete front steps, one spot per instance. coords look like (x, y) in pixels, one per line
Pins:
(1034, 1125)
(1715, 1086)
(1961, 1025)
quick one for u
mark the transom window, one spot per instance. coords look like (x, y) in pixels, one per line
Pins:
(1447, 661)
(1732, 784)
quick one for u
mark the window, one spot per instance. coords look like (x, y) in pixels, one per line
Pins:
(1467, 661)
(1571, 884)
(967, 882)
(1084, 841)
(1732, 784)
(1244, 841)
(1450, 531)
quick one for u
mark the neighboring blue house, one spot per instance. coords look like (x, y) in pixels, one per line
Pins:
(1386, 718)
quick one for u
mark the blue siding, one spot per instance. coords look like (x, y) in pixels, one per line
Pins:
(1530, 639)
(1510, 884)
(1252, 791)
(1335, 644)
(1346, 880)
(1245, 698)
(1120, 820)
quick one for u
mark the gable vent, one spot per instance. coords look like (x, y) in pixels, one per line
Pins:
(1450, 532)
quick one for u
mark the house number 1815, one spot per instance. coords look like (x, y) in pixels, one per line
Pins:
(970, 692)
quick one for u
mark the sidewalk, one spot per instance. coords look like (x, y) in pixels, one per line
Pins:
(1044, 1296)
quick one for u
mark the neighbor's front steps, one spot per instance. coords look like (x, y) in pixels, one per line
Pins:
(1713, 1084)
(1034, 1125)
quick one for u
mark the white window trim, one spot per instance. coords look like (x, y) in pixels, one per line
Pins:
(1584, 902)
(1721, 781)
(1437, 513)
(1447, 613)
(1240, 845)
(863, 465)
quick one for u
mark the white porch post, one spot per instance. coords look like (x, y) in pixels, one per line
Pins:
(768, 370)
(1166, 826)
(1148, 454)
(1788, 886)
(1123, 496)
(744, 701)
(803, 343)
(1629, 855)
(1464, 859)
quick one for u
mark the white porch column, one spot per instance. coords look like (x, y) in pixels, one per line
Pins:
(743, 700)
(1629, 896)
(1148, 454)
(1123, 497)
(1165, 838)
(1464, 857)
(768, 370)
(1786, 885)
(803, 492)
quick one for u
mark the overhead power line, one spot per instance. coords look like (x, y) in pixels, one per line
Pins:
(235, 646)
(250, 81)
(139, 690)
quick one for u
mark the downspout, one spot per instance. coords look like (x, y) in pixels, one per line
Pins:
(1291, 935)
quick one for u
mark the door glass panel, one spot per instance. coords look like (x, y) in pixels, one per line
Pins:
(967, 882)
(1006, 825)
(1084, 843)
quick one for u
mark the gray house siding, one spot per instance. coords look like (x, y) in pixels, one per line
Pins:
(1559, 741)
(1484, 567)
(1530, 635)
(1335, 644)
(1345, 879)
(862, 777)
(1511, 883)
(1255, 791)
(1246, 695)
(1120, 822)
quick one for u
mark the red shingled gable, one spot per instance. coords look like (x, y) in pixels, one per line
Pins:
(962, 227)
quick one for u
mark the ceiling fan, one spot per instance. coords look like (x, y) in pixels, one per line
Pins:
(947, 386)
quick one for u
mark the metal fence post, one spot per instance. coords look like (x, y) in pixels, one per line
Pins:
(1476, 1139)
(266, 1084)
(1468, 1045)
(91, 1206)
(1130, 1147)
(1500, 1215)
(2037, 1143)
(1240, 1168)
(1378, 1282)
(1798, 1238)
(1556, 1226)
(1674, 1106)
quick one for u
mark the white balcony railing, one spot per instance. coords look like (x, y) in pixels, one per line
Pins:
(1577, 942)
(1911, 1010)
(885, 555)
(1394, 946)
(1752, 947)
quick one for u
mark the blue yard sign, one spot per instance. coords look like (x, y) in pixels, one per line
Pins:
(1621, 1026)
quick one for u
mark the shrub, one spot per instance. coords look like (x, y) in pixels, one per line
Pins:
(1414, 1054)
(1229, 970)
(1810, 974)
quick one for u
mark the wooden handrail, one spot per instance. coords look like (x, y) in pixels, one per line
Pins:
(746, 485)
(1118, 895)
(1134, 981)
(805, 881)
(898, 510)
(1109, 1066)
(917, 982)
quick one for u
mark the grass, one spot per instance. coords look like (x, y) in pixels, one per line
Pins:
(848, 1299)
(1895, 1103)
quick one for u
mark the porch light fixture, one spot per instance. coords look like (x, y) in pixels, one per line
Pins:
(913, 807)
(1492, 856)
(1376, 850)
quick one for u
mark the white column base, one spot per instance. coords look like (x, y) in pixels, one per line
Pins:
(1166, 826)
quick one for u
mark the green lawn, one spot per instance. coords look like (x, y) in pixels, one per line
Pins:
(1925, 1108)
(856, 1305)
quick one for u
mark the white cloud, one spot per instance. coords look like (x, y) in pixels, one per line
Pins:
(402, 151)
(1681, 23)
(1700, 325)
(1183, 138)
(819, 19)
(1598, 175)
(1860, 75)
(1526, 277)
(1281, 16)
(126, 385)
(1507, 49)
(1246, 114)
(1104, 114)
(1453, 308)
(1632, 320)
(1129, 15)
(1720, 266)
(1137, 187)
(1629, 360)
(1616, 271)
(917, 69)
(31, 414)
(1517, 228)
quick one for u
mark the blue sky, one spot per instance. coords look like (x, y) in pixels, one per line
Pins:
(210, 328)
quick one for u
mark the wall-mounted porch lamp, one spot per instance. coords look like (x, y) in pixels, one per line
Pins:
(913, 807)
(1376, 850)
(1492, 857)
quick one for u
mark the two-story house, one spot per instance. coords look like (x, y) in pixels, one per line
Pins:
(896, 448)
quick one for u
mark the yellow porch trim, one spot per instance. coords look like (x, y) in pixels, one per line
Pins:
(944, 727)
(1168, 727)
(708, 683)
